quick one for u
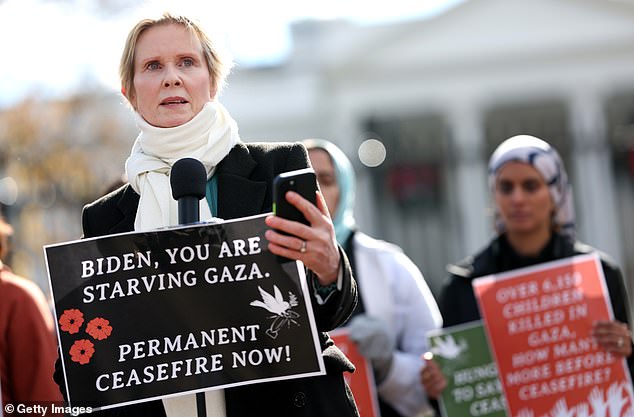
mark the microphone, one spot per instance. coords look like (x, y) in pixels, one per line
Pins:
(188, 179)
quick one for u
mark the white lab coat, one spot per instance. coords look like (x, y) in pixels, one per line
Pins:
(393, 289)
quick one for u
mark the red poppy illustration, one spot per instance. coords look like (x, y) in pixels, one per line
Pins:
(81, 351)
(71, 320)
(99, 328)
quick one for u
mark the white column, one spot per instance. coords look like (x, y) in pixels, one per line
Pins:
(597, 217)
(469, 194)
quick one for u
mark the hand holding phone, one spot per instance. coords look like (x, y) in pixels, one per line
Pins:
(304, 183)
(298, 242)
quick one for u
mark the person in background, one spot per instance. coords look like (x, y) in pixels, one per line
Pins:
(28, 347)
(534, 223)
(396, 307)
(171, 73)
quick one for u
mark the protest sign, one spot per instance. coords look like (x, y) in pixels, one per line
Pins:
(539, 322)
(473, 388)
(147, 315)
(361, 381)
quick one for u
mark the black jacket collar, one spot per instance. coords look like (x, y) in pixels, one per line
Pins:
(492, 259)
(241, 196)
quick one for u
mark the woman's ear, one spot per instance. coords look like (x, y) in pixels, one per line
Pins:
(124, 92)
(131, 98)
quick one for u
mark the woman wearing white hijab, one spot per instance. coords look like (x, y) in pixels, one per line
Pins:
(170, 73)
(534, 223)
(396, 307)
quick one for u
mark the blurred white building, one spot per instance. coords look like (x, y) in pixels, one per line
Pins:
(441, 93)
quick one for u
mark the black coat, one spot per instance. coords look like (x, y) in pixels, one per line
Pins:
(245, 177)
(457, 302)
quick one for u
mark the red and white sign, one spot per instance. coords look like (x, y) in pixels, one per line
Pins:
(361, 382)
(539, 322)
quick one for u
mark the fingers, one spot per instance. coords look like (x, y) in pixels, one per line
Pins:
(613, 336)
(314, 245)
(321, 204)
(312, 213)
(291, 242)
(289, 238)
(321, 258)
(432, 378)
(291, 247)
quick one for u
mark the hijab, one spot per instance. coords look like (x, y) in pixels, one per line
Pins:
(545, 159)
(343, 218)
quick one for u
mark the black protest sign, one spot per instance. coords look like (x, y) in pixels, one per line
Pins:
(146, 315)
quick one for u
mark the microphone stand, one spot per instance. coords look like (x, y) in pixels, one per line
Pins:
(189, 212)
(185, 216)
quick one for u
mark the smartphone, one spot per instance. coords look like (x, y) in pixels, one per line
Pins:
(303, 182)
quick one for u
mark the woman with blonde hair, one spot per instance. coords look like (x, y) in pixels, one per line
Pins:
(171, 73)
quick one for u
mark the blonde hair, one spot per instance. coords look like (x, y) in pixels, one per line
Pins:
(217, 65)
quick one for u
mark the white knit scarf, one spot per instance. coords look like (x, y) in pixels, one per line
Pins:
(208, 137)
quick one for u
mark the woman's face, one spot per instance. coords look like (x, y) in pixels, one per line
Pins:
(171, 79)
(326, 177)
(523, 199)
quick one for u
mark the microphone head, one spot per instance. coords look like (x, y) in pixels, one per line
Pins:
(188, 178)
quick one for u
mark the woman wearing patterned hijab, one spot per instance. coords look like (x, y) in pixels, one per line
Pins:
(534, 223)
